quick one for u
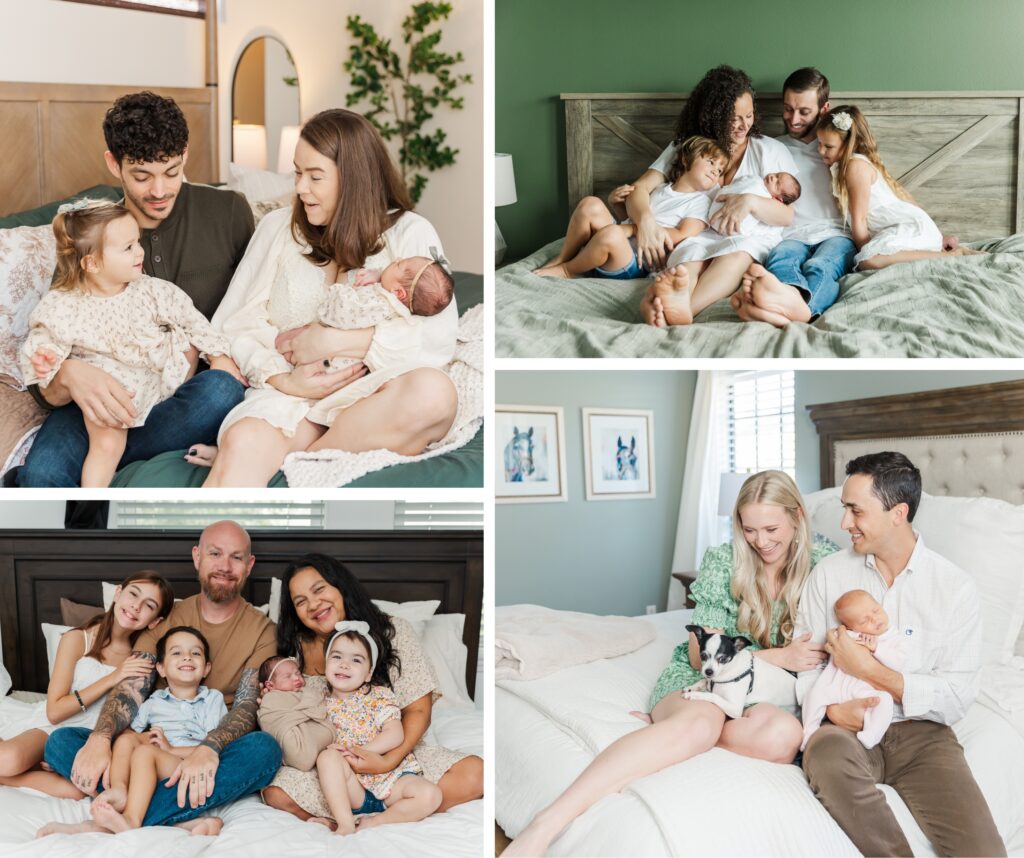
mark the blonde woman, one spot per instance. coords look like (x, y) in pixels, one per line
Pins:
(751, 587)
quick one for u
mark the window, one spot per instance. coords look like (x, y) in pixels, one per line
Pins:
(759, 419)
(191, 8)
(438, 516)
(190, 515)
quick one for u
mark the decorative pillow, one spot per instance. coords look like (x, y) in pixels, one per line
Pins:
(76, 614)
(52, 634)
(257, 185)
(414, 612)
(20, 417)
(264, 207)
(28, 255)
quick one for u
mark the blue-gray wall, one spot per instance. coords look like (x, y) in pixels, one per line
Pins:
(603, 557)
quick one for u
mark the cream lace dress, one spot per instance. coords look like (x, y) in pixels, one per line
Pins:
(139, 336)
(276, 288)
(417, 679)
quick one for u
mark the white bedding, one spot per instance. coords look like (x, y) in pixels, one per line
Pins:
(548, 730)
(251, 828)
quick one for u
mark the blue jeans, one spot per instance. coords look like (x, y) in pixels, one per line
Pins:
(814, 269)
(246, 766)
(191, 416)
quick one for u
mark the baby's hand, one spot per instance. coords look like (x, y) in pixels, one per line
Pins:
(43, 361)
(157, 737)
(620, 193)
(283, 342)
(364, 277)
(869, 641)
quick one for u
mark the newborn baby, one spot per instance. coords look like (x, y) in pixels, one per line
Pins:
(294, 713)
(779, 186)
(281, 674)
(868, 624)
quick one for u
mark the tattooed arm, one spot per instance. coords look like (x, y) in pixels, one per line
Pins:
(92, 762)
(197, 773)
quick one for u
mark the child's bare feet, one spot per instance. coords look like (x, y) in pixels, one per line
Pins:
(323, 820)
(345, 828)
(70, 828)
(205, 826)
(643, 716)
(109, 818)
(369, 820)
(116, 797)
(553, 271)
(201, 454)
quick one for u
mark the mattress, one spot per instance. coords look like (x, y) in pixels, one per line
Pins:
(548, 730)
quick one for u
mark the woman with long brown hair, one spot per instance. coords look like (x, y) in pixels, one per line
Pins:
(91, 660)
(351, 210)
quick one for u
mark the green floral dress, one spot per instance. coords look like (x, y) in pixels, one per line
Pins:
(717, 609)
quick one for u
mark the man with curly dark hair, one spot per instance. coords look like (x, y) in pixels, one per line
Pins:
(194, 236)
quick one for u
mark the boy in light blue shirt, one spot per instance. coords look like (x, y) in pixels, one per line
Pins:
(178, 718)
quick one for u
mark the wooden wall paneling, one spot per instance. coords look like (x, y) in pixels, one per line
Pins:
(21, 170)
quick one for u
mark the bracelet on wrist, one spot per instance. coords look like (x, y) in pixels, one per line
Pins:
(78, 697)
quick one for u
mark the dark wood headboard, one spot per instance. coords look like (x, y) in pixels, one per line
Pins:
(38, 567)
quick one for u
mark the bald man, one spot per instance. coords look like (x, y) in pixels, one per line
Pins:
(235, 759)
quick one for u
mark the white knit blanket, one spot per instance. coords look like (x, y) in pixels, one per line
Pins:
(328, 468)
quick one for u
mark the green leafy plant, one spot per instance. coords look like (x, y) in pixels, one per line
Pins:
(404, 93)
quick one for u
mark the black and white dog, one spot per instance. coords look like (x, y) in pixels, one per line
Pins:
(733, 678)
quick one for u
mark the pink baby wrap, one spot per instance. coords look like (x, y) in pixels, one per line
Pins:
(834, 686)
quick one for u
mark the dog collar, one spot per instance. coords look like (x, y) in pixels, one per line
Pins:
(748, 672)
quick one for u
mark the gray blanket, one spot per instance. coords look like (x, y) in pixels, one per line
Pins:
(965, 307)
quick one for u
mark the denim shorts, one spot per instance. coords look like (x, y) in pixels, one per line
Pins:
(371, 804)
(630, 272)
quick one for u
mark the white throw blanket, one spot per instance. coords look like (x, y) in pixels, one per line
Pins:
(531, 641)
(327, 468)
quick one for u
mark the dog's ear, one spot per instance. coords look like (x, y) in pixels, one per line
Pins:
(698, 631)
(741, 643)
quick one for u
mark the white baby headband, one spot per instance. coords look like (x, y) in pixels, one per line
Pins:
(77, 206)
(842, 121)
(363, 630)
(282, 661)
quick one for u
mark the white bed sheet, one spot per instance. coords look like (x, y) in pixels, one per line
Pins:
(548, 730)
(253, 829)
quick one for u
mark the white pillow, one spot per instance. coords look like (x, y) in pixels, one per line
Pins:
(441, 637)
(5, 677)
(52, 634)
(256, 185)
(983, 536)
(414, 612)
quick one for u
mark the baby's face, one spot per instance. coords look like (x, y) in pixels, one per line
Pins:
(287, 677)
(863, 614)
(782, 186)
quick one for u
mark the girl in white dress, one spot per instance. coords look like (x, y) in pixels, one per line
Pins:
(886, 224)
(90, 661)
(103, 310)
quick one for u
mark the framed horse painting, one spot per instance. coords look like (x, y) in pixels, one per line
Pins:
(618, 447)
(529, 442)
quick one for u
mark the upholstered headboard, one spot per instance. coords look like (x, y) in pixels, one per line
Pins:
(967, 441)
(958, 153)
(39, 567)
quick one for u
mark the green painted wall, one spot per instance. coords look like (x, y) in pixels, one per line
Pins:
(545, 47)
(604, 557)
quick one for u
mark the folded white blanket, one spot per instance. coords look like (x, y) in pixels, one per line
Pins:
(531, 641)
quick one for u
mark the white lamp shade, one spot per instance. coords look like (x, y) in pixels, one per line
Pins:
(728, 490)
(249, 146)
(504, 180)
(286, 148)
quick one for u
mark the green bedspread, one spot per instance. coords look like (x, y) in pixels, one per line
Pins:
(953, 307)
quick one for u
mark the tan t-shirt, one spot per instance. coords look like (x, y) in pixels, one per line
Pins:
(246, 640)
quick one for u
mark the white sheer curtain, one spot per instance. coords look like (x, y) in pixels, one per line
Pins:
(697, 528)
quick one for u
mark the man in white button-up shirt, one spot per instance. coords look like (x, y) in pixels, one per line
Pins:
(934, 605)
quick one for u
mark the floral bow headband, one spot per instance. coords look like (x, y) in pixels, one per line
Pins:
(842, 121)
(76, 206)
(363, 630)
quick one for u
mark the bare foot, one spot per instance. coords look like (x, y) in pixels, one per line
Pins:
(553, 271)
(643, 716)
(205, 826)
(323, 820)
(775, 297)
(370, 820)
(532, 840)
(109, 818)
(70, 828)
(750, 312)
(116, 797)
(201, 454)
(672, 288)
(346, 828)
(967, 251)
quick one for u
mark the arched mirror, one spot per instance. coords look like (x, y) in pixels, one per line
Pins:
(265, 106)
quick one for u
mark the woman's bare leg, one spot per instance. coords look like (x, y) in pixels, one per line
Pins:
(106, 447)
(49, 782)
(720, 279)
(764, 732)
(404, 415)
(23, 752)
(876, 263)
(590, 215)
(252, 451)
(681, 729)
(461, 783)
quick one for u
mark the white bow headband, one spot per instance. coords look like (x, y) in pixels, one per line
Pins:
(290, 658)
(363, 630)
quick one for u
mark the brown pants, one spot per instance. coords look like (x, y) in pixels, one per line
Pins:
(924, 763)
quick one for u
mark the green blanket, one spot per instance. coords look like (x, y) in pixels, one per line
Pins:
(965, 307)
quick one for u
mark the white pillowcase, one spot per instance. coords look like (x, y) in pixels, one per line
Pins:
(256, 185)
(5, 677)
(414, 612)
(52, 634)
(983, 536)
(442, 644)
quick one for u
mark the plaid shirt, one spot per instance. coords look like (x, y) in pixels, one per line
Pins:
(932, 602)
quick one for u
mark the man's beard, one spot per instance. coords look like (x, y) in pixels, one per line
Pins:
(218, 591)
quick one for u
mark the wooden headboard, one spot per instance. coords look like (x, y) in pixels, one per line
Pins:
(966, 441)
(39, 567)
(958, 153)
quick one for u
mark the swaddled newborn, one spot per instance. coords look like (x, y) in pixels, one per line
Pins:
(294, 713)
(779, 186)
(866, 622)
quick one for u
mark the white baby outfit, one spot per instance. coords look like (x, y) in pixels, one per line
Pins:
(764, 155)
(893, 224)
(138, 336)
(834, 686)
